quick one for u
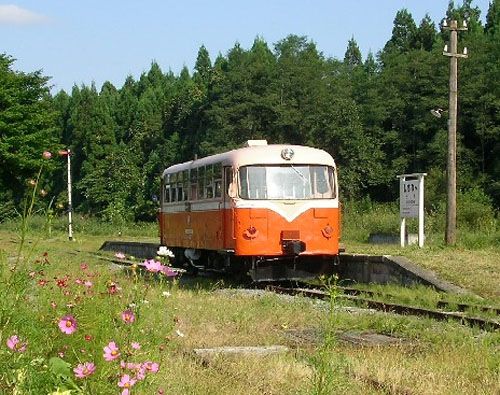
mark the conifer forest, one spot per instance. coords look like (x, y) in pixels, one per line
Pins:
(371, 113)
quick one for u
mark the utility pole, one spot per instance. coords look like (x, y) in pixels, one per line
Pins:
(67, 153)
(451, 172)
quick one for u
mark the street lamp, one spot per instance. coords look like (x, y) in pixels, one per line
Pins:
(67, 153)
(437, 112)
(451, 172)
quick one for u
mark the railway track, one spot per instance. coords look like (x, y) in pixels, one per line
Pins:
(357, 296)
(371, 299)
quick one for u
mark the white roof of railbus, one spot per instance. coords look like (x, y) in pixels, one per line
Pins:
(260, 155)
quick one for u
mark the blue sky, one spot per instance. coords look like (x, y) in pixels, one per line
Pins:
(77, 42)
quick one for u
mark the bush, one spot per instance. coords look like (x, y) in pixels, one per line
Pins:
(360, 219)
(475, 211)
(476, 218)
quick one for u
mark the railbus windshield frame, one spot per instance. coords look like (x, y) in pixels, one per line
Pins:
(286, 182)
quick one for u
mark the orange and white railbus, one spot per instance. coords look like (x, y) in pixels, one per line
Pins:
(271, 211)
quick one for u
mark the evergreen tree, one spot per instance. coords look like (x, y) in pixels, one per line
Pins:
(28, 127)
(202, 67)
(300, 85)
(352, 55)
(403, 33)
(493, 17)
(92, 140)
(426, 34)
(126, 108)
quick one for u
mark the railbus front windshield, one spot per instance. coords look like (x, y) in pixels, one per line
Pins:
(286, 182)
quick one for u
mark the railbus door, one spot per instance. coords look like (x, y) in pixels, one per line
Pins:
(228, 211)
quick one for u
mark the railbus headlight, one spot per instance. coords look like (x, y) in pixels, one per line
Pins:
(327, 231)
(251, 232)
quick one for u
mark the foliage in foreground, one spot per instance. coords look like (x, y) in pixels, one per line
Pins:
(79, 329)
(53, 286)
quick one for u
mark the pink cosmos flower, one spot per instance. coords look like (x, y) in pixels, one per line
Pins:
(84, 266)
(15, 344)
(84, 370)
(42, 282)
(130, 365)
(112, 288)
(67, 324)
(120, 255)
(168, 271)
(47, 155)
(153, 266)
(128, 316)
(62, 282)
(136, 346)
(151, 366)
(88, 284)
(126, 382)
(111, 352)
(141, 374)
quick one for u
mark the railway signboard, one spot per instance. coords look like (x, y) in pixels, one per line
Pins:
(408, 198)
(411, 203)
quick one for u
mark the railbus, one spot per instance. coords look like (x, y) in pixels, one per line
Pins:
(270, 211)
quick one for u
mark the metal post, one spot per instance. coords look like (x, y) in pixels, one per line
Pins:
(421, 210)
(70, 206)
(451, 172)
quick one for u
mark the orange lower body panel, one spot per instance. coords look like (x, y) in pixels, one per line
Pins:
(262, 232)
(252, 231)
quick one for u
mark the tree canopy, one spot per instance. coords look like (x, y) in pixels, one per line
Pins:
(372, 115)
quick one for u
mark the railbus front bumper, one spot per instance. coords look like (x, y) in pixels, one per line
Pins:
(293, 268)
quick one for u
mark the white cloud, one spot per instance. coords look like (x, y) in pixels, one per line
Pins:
(11, 14)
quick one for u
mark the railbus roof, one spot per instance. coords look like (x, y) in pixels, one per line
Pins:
(260, 155)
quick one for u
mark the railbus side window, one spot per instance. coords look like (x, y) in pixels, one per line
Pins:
(166, 188)
(173, 189)
(201, 182)
(209, 182)
(194, 184)
(218, 180)
(166, 193)
(179, 187)
(185, 184)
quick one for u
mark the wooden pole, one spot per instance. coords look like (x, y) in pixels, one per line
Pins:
(451, 171)
(451, 206)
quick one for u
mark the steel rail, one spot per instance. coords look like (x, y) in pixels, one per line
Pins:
(440, 304)
(393, 307)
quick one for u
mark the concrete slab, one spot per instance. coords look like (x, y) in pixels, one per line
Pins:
(259, 351)
(388, 269)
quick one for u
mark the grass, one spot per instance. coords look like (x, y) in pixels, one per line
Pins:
(473, 263)
(173, 318)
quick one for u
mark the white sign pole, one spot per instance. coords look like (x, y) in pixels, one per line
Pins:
(402, 231)
(421, 210)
